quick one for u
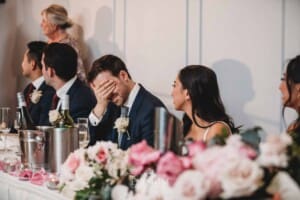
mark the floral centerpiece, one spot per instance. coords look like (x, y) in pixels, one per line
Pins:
(93, 171)
(234, 170)
(229, 169)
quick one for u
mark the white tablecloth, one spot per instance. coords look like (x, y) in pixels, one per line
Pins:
(11, 188)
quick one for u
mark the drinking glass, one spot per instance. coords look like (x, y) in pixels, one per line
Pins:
(83, 131)
(4, 125)
(17, 121)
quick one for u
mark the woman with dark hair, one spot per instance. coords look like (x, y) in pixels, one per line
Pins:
(290, 90)
(196, 92)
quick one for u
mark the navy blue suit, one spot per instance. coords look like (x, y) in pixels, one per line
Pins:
(82, 100)
(39, 111)
(141, 121)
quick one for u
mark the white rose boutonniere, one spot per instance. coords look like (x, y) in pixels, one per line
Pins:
(54, 116)
(121, 124)
(35, 96)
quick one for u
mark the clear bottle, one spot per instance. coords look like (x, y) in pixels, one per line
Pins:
(66, 120)
(26, 122)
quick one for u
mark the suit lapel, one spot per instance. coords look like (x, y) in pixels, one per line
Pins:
(133, 113)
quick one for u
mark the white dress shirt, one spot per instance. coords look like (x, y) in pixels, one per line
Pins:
(63, 90)
(129, 102)
(38, 82)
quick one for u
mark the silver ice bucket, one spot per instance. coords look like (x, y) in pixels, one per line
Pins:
(47, 147)
(167, 131)
(34, 146)
(62, 142)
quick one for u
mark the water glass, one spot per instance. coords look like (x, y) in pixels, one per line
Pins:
(83, 131)
(4, 125)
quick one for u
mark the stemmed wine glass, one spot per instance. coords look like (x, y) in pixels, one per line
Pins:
(4, 125)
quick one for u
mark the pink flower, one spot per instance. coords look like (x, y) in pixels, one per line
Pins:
(211, 163)
(72, 162)
(141, 155)
(101, 156)
(196, 147)
(169, 167)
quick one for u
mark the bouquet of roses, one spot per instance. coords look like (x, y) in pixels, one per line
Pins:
(234, 170)
(93, 171)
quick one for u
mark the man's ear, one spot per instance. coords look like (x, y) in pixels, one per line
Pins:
(33, 65)
(51, 72)
(123, 75)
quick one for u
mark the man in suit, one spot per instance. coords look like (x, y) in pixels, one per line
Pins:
(37, 94)
(59, 69)
(113, 88)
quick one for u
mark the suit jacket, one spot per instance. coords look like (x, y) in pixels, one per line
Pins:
(82, 100)
(39, 111)
(141, 121)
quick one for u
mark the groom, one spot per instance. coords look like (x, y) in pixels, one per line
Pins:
(113, 88)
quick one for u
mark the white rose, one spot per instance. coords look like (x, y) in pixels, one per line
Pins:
(84, 173)
(121, 124)
(273, 151)
(151, 186)
(119, 192)
(54, 116)
(35, 96)
(240, 177)
(71, 187)
(191, 184)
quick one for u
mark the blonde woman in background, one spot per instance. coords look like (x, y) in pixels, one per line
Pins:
(55, 22)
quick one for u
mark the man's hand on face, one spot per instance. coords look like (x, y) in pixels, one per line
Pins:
(103, 93)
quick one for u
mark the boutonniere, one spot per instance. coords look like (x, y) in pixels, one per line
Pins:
(54, 116)
(35, 96)
(121, 124)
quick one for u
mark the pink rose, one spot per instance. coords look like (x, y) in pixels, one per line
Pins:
(196, 147)
(141, 156)
(72, 162)
(101, 156)
(169, 167)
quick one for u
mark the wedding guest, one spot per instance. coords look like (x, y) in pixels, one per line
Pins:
(59, 70)
(196, 92)
(114, 87)
(55, 22)
(290, 90)
(37, 94)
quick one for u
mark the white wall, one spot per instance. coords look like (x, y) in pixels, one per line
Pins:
(245, 41)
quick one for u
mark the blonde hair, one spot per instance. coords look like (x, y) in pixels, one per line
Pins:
(58, 15)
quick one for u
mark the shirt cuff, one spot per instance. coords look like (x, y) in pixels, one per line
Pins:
(94, 120)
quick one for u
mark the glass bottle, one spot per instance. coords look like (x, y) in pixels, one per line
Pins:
(26, 122)
(66, 120)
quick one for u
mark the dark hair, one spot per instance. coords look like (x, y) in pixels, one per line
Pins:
(292, 77)
(109, 63)
(202, 86)
(62, 58)
(35, 52)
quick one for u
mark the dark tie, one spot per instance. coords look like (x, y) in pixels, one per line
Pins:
(55, 100)
(30, 90)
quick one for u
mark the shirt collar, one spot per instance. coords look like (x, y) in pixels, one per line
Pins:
(38, 82)
(132, 96)
(65, 88)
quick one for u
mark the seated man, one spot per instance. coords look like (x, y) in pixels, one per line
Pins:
(113, 87)
(37, 94)
(59, 70)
